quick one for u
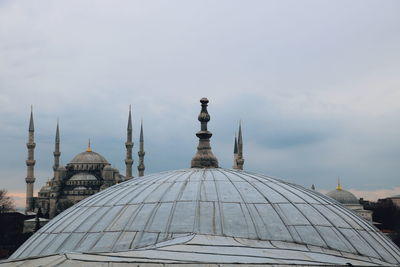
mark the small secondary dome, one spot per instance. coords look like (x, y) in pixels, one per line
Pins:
(343, 196)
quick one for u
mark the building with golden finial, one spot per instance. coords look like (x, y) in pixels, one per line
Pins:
(350, 201)
(86, 174)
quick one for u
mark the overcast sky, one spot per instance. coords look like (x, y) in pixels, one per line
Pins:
(315, 83)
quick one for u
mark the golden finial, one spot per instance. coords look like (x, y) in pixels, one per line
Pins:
(89, 149)
(338, 187)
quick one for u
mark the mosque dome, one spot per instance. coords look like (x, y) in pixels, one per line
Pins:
(208, 215)
(87, 160)
(234, 206)
(343, 196)
(88, 157)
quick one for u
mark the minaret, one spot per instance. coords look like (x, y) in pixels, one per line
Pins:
(56, 152)
(141, 152)
(30, 163)
(235, 154)
(204, 157)
(240, 160)
(129, 146)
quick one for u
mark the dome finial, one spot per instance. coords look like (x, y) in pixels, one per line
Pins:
(89, 149)
(338, 187)
(204, 157)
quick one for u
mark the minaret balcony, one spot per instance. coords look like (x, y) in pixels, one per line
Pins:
(128, 144)
(30, 180)
(30, 162)
(30, 145)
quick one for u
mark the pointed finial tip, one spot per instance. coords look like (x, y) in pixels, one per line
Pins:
(339, 186)
(89, 149)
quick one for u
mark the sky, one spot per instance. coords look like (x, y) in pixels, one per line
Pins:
(316, 85)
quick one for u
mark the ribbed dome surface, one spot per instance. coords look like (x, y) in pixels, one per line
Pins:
(215, 202)
(343, 196)
(89, 157)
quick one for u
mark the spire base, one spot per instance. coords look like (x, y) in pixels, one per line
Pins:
(204, 157)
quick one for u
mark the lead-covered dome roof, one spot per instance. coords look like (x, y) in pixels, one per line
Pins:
(343, 196)
(88, 157)
(259, 212)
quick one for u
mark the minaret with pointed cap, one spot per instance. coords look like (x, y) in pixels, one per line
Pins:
(240, 160)
(204, 157)
(30, 163)
(56, 152)
(141, 152)
(235, 154)
(129, 146)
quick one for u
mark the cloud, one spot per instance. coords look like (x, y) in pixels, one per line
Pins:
(316, 85)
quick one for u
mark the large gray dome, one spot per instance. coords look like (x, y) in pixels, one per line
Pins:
(89, 157)
(241, 212)
(343, 196)
(86, 161)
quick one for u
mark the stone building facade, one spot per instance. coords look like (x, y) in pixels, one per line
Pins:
(86, 174)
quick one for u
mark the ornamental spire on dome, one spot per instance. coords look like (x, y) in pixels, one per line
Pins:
(204, 157)
(338, 187)
(89, 149)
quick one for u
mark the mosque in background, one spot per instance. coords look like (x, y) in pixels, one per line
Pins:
(350, 201)
(208, 215)
(86, 174)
